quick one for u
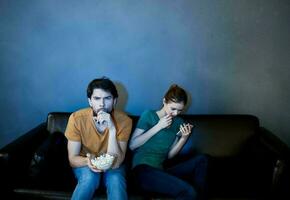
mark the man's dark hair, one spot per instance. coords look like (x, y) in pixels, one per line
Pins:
(103, 83)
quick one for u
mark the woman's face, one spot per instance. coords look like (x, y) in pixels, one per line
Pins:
(173, 108)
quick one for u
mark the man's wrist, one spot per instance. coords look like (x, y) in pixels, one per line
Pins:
(112, 130)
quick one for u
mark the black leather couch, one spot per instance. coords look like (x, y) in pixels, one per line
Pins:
(245, 160)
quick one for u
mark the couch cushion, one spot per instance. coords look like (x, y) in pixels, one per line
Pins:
(57, 121)
(216, 135)
(219, 135)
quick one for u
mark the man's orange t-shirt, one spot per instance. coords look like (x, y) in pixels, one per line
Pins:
(81, 128)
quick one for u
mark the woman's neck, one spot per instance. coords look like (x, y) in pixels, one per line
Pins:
(161, 113)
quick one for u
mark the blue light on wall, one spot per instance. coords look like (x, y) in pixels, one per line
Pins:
(223, 53)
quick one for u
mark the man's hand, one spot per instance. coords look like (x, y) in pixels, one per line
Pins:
(90, 165)
(103, 119)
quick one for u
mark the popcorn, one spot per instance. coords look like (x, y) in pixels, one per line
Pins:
(103, 162)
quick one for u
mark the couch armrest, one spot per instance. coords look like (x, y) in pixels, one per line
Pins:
(274, 144)
(3, 174)
(281, 180)
(26, 139)
(16, 156)
(3, 161)
(281, 168)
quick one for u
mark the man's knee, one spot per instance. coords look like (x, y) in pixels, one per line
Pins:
(115, 180)
(89, 180)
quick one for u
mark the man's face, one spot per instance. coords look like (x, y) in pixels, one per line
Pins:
(101, 100)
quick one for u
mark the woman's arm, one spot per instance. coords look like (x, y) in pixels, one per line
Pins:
(176, 147)
(140, 137)
(185, 130)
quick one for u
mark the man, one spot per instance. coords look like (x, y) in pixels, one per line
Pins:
(94, 131)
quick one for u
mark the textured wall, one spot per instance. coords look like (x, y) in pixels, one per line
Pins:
(231, 56)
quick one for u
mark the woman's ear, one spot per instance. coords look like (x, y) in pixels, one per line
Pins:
(164, 101)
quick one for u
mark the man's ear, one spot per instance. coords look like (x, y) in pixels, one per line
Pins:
(115, 102)
(90, 102)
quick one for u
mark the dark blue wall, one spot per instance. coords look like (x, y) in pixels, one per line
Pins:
(231, 56)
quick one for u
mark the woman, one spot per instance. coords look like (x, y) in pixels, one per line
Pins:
(160, 135)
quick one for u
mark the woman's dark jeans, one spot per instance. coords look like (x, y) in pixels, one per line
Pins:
(186, 180)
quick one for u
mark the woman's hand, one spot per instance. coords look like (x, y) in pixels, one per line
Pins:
(165, 122)
(185, 130)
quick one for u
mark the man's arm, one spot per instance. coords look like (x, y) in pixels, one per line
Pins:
(116, 148)
(75, 159)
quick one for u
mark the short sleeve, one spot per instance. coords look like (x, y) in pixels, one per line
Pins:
(125, 129)
(72, 131)
(144, 122)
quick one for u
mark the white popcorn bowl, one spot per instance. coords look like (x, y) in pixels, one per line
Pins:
(103, 162)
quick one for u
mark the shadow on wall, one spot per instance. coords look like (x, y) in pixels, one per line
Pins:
(123, 96)
(189, 102)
